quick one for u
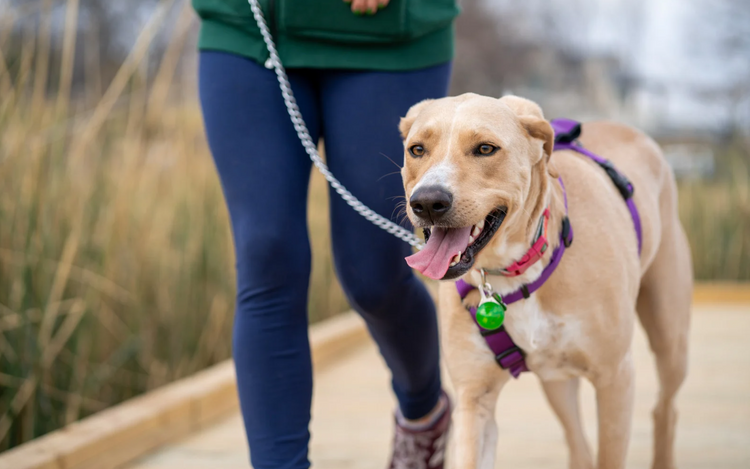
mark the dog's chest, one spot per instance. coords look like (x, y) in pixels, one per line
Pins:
(553, 345)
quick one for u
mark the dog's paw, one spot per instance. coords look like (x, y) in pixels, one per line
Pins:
(472, 299)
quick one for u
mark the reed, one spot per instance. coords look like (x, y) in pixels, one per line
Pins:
(116, 262)
(716, 215)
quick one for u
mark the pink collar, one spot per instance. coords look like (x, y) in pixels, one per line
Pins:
(535, 252)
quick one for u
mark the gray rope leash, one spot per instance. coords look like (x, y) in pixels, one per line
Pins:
(307, 142)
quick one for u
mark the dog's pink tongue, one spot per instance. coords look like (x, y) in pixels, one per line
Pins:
(435, 257)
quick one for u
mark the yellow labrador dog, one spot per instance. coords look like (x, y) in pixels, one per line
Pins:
(482, 180)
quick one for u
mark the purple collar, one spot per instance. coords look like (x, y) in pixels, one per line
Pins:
(507, 354)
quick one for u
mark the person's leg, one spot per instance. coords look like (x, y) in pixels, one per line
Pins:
(361, 111)
(264, 173)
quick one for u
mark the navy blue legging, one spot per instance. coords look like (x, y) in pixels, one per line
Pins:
(264, 173)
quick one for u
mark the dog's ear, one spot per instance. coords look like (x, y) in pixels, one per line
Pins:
(532, 120)
(522, 106)
(408, 120)
(542, 130)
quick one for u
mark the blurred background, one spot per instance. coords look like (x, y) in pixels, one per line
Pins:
(116, 269)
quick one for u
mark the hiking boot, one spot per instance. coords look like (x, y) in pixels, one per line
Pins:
(422, 447)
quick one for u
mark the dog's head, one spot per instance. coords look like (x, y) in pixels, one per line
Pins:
(473, 175)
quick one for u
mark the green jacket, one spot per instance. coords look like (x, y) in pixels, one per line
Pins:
(405, 35)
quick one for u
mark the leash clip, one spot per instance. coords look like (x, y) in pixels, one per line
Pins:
(485, 289)
(491, 310)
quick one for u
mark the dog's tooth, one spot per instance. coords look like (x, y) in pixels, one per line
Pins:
(471, 239)
(480, 225)
(453, 264)
(475, 231)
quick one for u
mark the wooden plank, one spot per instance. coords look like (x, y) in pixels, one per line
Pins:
(32, 455)
(722, 292)
(353, 407)
(124, 432)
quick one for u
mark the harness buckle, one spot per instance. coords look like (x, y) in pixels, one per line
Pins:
(487, 332)
(622, 183)
(566, 130)
(501, 356)
(567, 235)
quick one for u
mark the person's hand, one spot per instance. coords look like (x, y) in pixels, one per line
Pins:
(366, 7)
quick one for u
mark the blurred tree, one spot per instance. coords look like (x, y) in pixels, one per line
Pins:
(490, 58)
(105, 33)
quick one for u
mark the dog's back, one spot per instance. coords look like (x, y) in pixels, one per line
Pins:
(664, 297)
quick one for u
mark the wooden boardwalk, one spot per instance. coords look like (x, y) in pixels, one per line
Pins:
(351, 426)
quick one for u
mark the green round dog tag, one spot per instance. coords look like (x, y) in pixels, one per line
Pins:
(490, 314)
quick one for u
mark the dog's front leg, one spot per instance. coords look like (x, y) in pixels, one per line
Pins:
(477, 381)
(614, 401)
(474, 440)
(563, 398)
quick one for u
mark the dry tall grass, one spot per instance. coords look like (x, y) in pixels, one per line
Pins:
(716, 215)
(116, 270)
(116, 267)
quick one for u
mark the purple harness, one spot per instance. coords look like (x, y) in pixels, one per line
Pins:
(507, 354)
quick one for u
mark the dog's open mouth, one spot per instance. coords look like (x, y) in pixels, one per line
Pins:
(449, 252)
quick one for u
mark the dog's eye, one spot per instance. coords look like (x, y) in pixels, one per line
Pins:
(485, 149)
(416, 150)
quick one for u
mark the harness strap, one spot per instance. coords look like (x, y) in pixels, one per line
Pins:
(567, 132)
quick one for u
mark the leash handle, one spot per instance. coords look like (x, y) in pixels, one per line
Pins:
(307, 142)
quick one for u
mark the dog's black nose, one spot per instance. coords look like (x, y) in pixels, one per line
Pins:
(431, 203)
